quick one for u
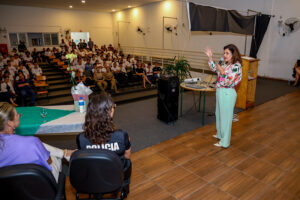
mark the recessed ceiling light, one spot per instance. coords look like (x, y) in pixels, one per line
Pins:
(113, 10)
(70, 6)
(129, 6)
(82, 1)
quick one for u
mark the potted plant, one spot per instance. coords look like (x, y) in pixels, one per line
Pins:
(181, 68)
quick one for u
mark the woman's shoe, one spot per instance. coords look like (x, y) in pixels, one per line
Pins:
(215, 136)
(218, 145)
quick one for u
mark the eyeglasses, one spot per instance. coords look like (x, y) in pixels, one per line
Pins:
(19, 115)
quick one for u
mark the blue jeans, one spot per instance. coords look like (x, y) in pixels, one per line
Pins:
(27, 92)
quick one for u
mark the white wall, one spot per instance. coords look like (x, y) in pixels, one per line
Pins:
(32, 19)
(278, 54)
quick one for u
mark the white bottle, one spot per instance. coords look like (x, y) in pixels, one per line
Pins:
(81, 105)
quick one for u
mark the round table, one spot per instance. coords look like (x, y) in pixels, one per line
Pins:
(203, 91)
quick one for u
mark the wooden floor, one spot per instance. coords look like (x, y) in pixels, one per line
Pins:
(263, 161)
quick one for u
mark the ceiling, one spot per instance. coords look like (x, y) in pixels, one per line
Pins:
(90, 5)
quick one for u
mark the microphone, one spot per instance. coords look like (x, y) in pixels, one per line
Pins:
(221, 61)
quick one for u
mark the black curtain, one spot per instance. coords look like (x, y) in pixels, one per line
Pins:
(206, 18)
(262, 22)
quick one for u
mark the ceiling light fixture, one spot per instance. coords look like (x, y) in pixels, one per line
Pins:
(113, 10)
(129, 6)
(70, 6)
(82, 1)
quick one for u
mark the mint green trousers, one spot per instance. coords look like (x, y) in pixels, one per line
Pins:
(225, 101)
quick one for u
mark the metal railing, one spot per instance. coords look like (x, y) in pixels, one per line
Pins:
(197, 59)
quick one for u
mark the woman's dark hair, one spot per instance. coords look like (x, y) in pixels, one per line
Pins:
(98, 123)
(236, 56)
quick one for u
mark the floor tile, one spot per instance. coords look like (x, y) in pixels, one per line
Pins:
(179, 182)
(240, 185)
(289, 183)
(210, 192)
(207, 168)
(137, 177)
(230, 156)
(153, 165)
(279, 158)
(273, 194)
(179, 153)
(261, 170)
(200, 144)
(149, 191)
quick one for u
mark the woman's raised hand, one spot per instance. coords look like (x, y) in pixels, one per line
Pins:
(209, 53)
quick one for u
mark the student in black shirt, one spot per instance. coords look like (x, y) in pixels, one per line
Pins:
(99, 129)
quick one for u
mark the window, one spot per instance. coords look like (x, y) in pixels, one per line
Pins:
(47, 39)
(54, 38)
(13, 38)
(22, 37)
(35, 39)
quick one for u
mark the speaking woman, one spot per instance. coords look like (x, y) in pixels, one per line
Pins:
(229, 76)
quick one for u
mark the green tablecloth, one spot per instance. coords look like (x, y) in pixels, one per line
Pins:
(31, 118)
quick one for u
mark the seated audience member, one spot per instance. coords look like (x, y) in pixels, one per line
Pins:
(297, 72)
(27, 57)
(12, 70)
(36, 71)
(13, 52)
(16, 149)
(5, 59)
(156, 71)
(48, 54)
(6, 73)
(25, 88)
(100, 131)
(140, 71)
(149, 72)
(7, 91)
(24, 71)
(88, 73)
(14, 60)
(99, 78)
(109, 77)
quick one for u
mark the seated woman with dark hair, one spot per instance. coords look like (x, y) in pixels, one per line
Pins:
(99, 129)
(101, 133)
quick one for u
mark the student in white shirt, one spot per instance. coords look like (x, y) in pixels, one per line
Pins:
(37, 71)
(115, 68)
(7, 91)
(25, 71)
(27, 57)
(5, 58)
(11, 68)
(15, 61)
(30, 65)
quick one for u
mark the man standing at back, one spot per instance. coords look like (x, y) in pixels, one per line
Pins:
(91, 44)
